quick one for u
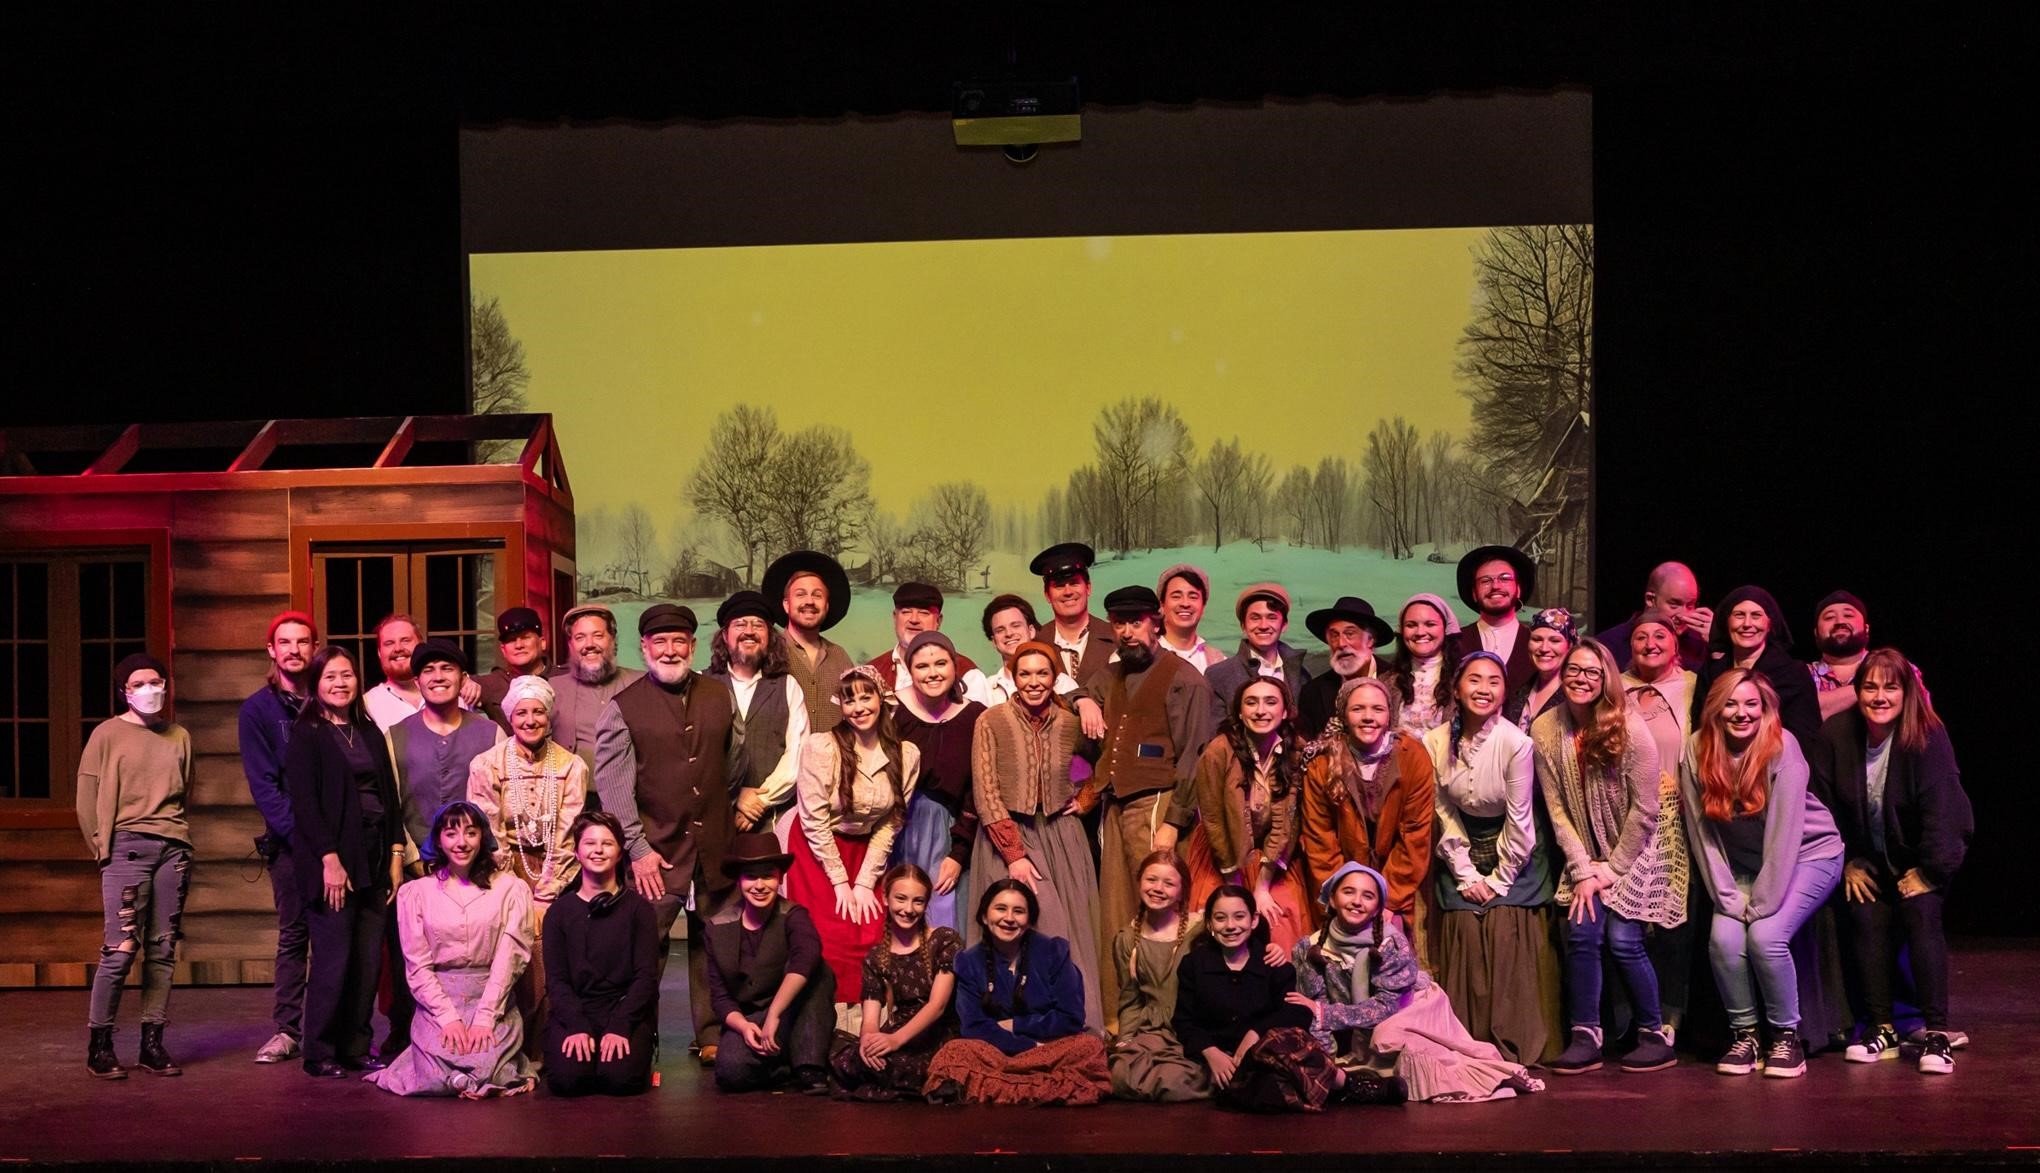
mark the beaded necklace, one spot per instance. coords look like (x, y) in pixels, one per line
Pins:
(531, 809)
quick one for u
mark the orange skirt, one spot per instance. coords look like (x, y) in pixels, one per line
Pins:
(1290, 895)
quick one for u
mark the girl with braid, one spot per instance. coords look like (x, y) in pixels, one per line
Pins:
(1147, 1060)
(909, 980)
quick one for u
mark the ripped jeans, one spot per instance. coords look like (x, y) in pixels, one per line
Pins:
(142, 888)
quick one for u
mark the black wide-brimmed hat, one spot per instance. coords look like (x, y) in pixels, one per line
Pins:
(754, 847)
(788, 566)
(1353, 609)
(1062, 559)
(1526, 571)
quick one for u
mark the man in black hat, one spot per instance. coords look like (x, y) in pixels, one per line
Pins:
(810, 593)
(773, 993)
(669, 758)
(1159, 712)
(590, 677)
(1084, 640)
(520, 651)
(1352, 630)
(917, 607)
(751, 658)
(1494, 580)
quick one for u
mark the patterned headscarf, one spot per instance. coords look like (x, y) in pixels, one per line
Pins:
(864, 671)
(1560, 620)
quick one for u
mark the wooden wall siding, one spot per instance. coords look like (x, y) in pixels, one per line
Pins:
(231, 572)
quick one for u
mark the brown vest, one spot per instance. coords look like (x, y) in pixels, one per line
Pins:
(682, 742)
(1139, 755)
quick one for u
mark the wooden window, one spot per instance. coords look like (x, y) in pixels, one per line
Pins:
(65, 620)
(449, 588)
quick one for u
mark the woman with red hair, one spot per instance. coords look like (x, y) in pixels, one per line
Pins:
(1768, 853)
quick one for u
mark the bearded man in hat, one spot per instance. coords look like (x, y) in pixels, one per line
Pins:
(1352, 631)
(810, 593)
(520, 651)
(1159, 713)
(1841, 631)
(669, 757)
(589, 678)
(1183, 589)
(1494, 581)
(917, 607)
(751, 658)
(1084, 640)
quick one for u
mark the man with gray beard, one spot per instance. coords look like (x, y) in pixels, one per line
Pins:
(587, 680)
(1352, 631)
(751, 658)
(669, 757)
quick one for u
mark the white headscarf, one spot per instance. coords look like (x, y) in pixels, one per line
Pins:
(528, 688)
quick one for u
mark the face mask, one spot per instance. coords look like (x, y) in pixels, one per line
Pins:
(147, 699)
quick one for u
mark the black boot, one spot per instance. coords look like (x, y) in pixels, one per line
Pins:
(155, 1059)
(99, 1058)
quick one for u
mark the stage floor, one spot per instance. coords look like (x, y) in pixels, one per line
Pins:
(226, 1109)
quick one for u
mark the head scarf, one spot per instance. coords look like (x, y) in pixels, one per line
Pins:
(1354, 685)
(864, 671)
(1501, 666)
(935, 639)
(1780, 635)
(1560, 620)
(1444, 608)
(533, 688)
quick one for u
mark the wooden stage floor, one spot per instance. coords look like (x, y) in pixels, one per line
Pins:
(226, 1110)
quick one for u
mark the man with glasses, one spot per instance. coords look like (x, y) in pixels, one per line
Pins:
(751, 658)
(1494, 580)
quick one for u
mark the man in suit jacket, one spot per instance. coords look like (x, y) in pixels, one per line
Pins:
(1085, 641)
(1494, 580)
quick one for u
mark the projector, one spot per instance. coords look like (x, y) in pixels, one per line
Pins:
(1008, 114)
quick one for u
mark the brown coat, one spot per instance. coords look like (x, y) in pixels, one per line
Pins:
(1398, 844)
(1222, 805)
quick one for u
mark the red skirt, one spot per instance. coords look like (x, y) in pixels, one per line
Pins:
(1288, 891)
(808, 885)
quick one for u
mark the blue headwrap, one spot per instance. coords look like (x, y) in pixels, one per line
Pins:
(1331, 883)
(1475, 657)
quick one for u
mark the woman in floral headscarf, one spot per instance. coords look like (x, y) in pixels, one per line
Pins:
(854, 786)
(1553, 633)
(531, 789)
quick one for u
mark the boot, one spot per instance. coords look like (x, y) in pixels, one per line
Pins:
(155, 1059)
(1365, 1087)
(99, 1059)
(1582, 1056)
(1653, 1052)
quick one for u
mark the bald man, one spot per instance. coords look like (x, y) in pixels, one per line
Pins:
(1671, 588)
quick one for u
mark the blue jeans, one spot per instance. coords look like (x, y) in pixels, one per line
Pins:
(1623, 939)
(142, 888)
(1763, 949)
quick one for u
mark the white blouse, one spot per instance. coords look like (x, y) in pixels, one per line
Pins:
(1502, 780)
(871, 805)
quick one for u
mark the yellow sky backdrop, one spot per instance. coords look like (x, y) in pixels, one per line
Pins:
(984, 360)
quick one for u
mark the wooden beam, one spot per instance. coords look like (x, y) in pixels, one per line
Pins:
(399, 446)
(258, 449)
(118, 453)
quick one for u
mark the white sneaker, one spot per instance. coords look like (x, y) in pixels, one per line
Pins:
(1877, 1046)
(279, 1048)
(1956, 1039)
(1937, 1055)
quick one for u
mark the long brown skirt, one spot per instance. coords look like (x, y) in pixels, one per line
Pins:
(1069, 1070)
(1500, 970)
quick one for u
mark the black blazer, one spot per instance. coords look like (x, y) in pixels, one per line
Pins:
(1927, 818)
(325, 807)
(1798, 703)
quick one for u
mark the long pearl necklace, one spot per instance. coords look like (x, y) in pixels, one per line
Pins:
(527, 786)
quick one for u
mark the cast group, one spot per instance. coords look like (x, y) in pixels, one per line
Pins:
(1120, 864)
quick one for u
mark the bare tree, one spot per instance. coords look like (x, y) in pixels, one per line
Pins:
(637, 546)
(1527, 357)
(1390, 468)
(1293, 501)
(731, 482)
(1227, 481)
(818, 491)
(886, 540)
(1330, 500)
(497, 376)
(1144, 453)
(951, 527)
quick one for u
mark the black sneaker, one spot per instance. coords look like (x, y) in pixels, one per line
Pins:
(1937, 1054)
(1743, 1055)
(1956, 1039)
(1787, 1057)
(1582, 1056)
(1876, 1047)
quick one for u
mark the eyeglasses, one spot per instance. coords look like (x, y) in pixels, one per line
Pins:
(1494, 579)
(1576, 672)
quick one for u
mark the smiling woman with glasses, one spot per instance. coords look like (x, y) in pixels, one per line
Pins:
(1625, 863)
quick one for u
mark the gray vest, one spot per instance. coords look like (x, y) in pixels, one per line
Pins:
(764, 726)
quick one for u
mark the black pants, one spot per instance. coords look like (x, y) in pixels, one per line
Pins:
(1875, 927)
(293, 943)
(346, 965)
(626, 1076)
(804, 1036)
(403, 1004)
(710, 907)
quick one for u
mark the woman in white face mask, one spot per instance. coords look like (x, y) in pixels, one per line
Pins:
(131, 782)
